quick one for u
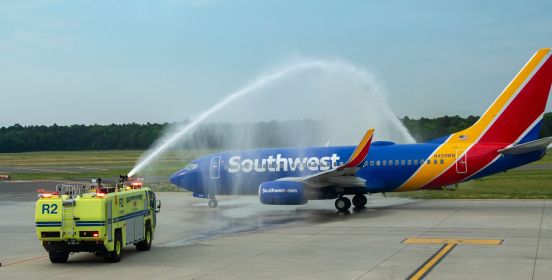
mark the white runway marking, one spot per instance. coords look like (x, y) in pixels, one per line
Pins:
(92, 168)
(46, 170)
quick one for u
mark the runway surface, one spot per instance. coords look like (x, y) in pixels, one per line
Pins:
(394, 238)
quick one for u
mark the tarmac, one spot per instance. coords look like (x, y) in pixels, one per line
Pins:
(393, 238)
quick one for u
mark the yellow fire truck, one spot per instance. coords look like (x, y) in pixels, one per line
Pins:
(96, 219)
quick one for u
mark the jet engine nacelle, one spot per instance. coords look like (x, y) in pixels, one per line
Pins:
(282, 193)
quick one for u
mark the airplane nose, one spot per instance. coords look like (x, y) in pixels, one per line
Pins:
(186, 180)
(175, 179)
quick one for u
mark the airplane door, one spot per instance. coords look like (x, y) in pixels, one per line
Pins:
(461, 162)
(215, 167)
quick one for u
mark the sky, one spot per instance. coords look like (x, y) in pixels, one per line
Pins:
(84, 62)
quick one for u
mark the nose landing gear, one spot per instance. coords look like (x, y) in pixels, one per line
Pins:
(213, 203)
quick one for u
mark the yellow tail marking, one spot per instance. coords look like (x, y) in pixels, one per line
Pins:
(363, 143)
(462, 140)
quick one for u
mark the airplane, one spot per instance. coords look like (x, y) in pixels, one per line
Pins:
(506, 136)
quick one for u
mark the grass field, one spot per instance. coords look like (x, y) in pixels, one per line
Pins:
(83, 165)
(546, 159)
(89, 164)
(523, 184)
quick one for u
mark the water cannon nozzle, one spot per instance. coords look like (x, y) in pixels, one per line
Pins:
(123, 178)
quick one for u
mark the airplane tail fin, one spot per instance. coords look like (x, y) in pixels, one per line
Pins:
(361, 151)
(516, 115)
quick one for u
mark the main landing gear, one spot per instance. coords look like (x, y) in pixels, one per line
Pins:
(359, 201)
(343, 203)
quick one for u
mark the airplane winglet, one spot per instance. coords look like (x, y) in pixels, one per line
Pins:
(361, 150)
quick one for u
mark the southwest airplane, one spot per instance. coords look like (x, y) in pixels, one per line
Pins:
(505, 137)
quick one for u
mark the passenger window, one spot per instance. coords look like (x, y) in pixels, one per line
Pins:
(428, 161)
(434, 161)
(383, 162)
(390, 163)
(415, 162)
(365, 164)
(371, 163)
(442, 161)
(409, 162)
(377, 163)
(397, 162)
(403, 162)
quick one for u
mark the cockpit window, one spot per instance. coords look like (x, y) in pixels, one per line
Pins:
(191, 166)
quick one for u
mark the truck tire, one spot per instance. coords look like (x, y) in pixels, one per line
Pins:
(58, 257)
(145, 245)
(117, 253)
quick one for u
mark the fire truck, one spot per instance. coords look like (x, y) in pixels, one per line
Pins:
(96, 218)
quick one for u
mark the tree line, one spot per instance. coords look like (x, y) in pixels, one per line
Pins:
(18, 138)
(425, 129)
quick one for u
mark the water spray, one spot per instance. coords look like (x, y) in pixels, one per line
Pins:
(171, 139)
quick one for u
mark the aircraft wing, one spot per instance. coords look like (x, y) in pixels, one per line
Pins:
(344, 174)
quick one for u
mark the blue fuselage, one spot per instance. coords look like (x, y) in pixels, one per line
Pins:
(385, 169)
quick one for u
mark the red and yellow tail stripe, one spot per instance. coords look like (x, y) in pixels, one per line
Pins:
(511, 114)
(361, 150)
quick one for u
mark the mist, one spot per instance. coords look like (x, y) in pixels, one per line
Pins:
(343, 99)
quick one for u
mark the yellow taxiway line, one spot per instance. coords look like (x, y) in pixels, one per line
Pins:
(418, 240)
(448, 245)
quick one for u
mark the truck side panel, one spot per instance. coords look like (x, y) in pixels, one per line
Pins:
(130, 216)
(139, 228)
(109, 216)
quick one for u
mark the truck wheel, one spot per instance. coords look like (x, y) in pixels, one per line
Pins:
(58, 257)
(117, 253)
(145, 245)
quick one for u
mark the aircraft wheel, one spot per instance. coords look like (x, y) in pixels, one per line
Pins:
(213, 203)
(342, 203)
(359, 200)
